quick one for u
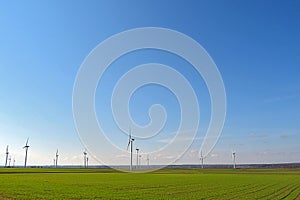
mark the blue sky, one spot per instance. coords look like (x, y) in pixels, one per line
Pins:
(255, 45)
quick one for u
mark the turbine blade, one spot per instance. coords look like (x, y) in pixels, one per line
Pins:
(128, 144)
(129, 139)
(27, 142)
(129, 133)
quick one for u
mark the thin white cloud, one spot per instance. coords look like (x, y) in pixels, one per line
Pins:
(281, 98)
(286, 135)
(179, 139)
(214, 155)
(257, 135)
(122, 156)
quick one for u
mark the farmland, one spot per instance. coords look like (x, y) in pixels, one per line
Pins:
(162, 184)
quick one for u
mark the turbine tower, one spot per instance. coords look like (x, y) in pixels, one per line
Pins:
(202, 160)
(85, 158)
(56, 158)
(87, 162)
(14, 161)
(6, 156)
(26, 150)
(130, 143)
(233, 156)
(137, 157)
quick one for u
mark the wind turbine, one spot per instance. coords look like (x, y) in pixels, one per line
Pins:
(140, 158)
(14, 161)
(56, 156)
(6, 156)
(9, 161)
(137, 157)
(85, 158)
(26, 150)
(202, 160)
(233, 156)
(148, 160)
(130, 143)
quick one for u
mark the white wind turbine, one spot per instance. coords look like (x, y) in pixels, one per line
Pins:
(130, 143)
(140, 158)
(148, 160)
(202, 160)
(85, 159)
(137, 157)
(6, 159)
(56, 158)
(9, 161)
(26, 151)
(234, 157)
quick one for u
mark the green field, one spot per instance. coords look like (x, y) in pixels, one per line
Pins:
(163, 184)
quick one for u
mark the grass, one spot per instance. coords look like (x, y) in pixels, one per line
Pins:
(163, 184)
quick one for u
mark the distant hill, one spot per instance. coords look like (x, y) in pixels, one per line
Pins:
(225, 166)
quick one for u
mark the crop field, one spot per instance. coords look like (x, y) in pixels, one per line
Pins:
(162, 184)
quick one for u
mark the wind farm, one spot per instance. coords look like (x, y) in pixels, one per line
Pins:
(205, 180)
(208, 181)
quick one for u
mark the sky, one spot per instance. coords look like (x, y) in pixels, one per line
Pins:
(254, 44)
